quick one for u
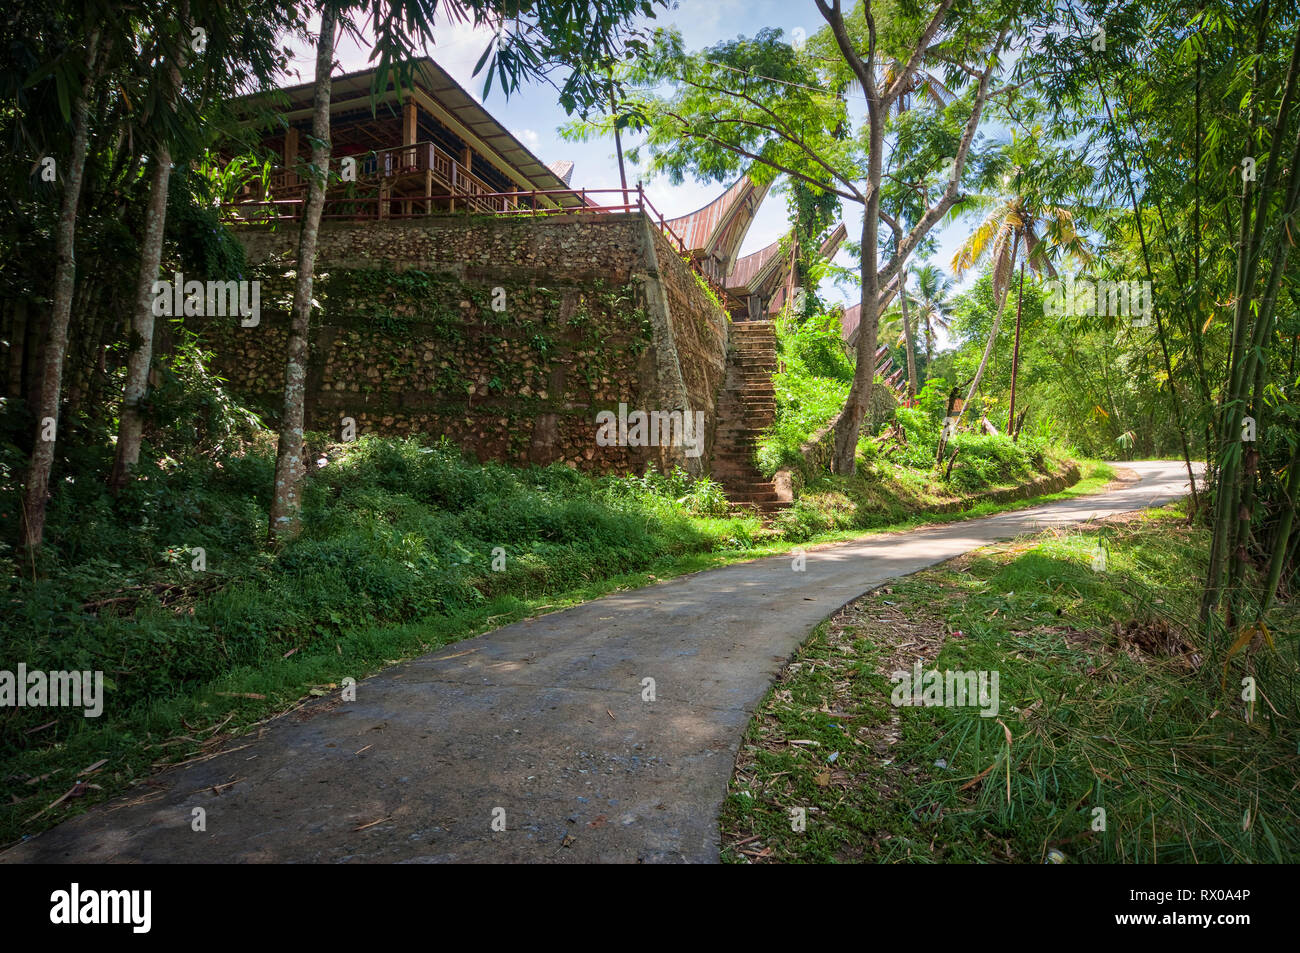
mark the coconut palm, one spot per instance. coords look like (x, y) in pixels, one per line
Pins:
(918, 82)
(1022, 225)
(931, 302)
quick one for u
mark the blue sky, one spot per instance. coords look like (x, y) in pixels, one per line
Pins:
(533, 115)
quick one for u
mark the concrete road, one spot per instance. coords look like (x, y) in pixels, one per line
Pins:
(543, 727)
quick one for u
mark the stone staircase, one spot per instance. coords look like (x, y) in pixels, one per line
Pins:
(747, 407)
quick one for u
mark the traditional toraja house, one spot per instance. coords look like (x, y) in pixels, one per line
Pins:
(852, 315)
(763, 283)
(421, 149)
(468, 290)
(885, 369)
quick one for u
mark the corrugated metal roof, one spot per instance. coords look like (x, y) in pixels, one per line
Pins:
(752, 271)
(753, 268)
(834, 240)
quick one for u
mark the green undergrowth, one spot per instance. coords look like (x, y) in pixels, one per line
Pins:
(406, 547)
(171, 591)
(877, 497)
(1120, 735)
(897, 472)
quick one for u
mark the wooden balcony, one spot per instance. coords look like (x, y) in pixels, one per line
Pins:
(418, 177)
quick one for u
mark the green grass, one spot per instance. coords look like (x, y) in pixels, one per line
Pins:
(395, 560)
(1100, 718)
(896, 470)
(875, 499)
(396, 557)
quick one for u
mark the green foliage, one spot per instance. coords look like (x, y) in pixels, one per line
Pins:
(195, 231)
(191, 411)
(395, 532)
(1101, 676)
(810, 390)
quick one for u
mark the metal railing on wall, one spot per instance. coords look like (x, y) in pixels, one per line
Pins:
(520, 204)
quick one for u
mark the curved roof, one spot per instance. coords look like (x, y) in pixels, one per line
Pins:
(853, 313)
(750, 271)
(759, 270)
(718, 229)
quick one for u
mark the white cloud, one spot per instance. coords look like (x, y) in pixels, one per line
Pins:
(528, 137)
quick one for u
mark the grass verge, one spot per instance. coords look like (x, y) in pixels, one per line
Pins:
(1118, 737)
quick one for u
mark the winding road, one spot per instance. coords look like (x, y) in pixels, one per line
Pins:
(544, 727)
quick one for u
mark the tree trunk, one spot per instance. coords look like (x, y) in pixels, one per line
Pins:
(1233, 405)
(131, 423)
(56, 343)
(286, 501)
(912, 383)
(618, 141)
(849, 425)
(855, 407)
(140, 361)
(1015, 356)
(1281, 544)
(993, 337)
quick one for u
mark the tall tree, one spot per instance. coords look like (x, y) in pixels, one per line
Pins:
(932, 304)
(233, 49)
(140, 360)
(37, 488)
(1025, 224)
(286, 502)
(532, 40)
(761, 107)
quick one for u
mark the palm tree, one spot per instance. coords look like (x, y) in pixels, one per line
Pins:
(897, 326)
(1023, 226)
(931, 302)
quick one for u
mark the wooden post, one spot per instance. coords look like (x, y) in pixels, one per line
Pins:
(290, 156)
(410, 121)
